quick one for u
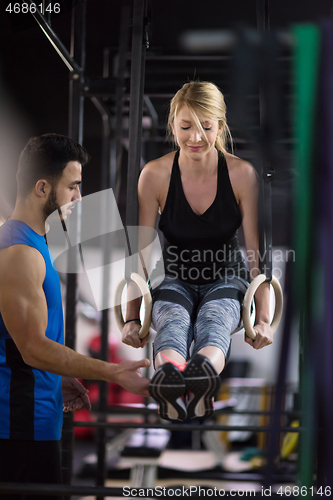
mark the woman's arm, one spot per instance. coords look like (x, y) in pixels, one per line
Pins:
(148, 194)
(248, 190)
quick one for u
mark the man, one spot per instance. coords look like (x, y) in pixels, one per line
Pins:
(35, 366)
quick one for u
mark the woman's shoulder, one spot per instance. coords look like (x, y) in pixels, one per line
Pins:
(243, 176)
(158, 170)
(239, 168)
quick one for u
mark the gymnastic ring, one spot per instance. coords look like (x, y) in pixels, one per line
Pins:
(254, 285)
(143, 287)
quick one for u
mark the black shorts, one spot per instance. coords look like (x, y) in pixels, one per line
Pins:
(30, 462)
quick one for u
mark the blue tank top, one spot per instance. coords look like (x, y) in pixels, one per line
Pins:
(31, 399)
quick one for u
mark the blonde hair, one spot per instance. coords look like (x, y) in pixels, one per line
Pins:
(205, 99)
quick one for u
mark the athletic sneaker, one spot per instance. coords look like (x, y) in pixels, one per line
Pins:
(202, 382)
(167, 387)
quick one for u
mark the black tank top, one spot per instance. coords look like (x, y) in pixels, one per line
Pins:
(199, 249)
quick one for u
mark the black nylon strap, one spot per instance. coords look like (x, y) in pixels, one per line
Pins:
(257, 56)
(135, 131)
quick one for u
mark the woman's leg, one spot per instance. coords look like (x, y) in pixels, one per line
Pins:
(215, 356)
(168, 355)
(173, 305)
(217, 318)
(171, 318)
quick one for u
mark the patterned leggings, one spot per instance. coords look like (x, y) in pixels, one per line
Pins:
(203, 314)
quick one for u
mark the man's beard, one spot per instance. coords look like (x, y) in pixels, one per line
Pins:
(51, 204)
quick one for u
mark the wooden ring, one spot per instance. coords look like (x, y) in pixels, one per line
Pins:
(254, 285)
(143, 287)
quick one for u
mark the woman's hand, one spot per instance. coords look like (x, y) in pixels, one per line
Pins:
(264, 336)
(130, 335)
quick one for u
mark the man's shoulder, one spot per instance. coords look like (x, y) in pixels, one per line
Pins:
(14, 231)
(5, 234)
(21, 261)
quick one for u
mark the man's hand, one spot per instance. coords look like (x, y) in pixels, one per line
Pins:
(264, 336)
(129, 376)
(130, 335)
(75, 396)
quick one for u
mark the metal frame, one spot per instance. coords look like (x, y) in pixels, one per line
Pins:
(81, 87)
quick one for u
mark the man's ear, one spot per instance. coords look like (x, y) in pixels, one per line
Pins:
(42, 188)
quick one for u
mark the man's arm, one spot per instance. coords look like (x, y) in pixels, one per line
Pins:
(24, 311)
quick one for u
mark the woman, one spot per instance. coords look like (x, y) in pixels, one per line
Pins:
(203, 194)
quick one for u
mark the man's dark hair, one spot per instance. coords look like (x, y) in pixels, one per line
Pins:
(45, 157)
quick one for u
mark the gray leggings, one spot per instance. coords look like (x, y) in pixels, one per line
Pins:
(204, 314)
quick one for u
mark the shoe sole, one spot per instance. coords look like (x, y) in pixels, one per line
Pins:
(167, 387)
(202, 381)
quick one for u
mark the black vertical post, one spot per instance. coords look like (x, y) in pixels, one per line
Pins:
(138, 58)
(138, 61)
(265, 218)
(110, 178)
(269, 92)
(75, 131)
(263, 22)
(120, 75)
(104, 346)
